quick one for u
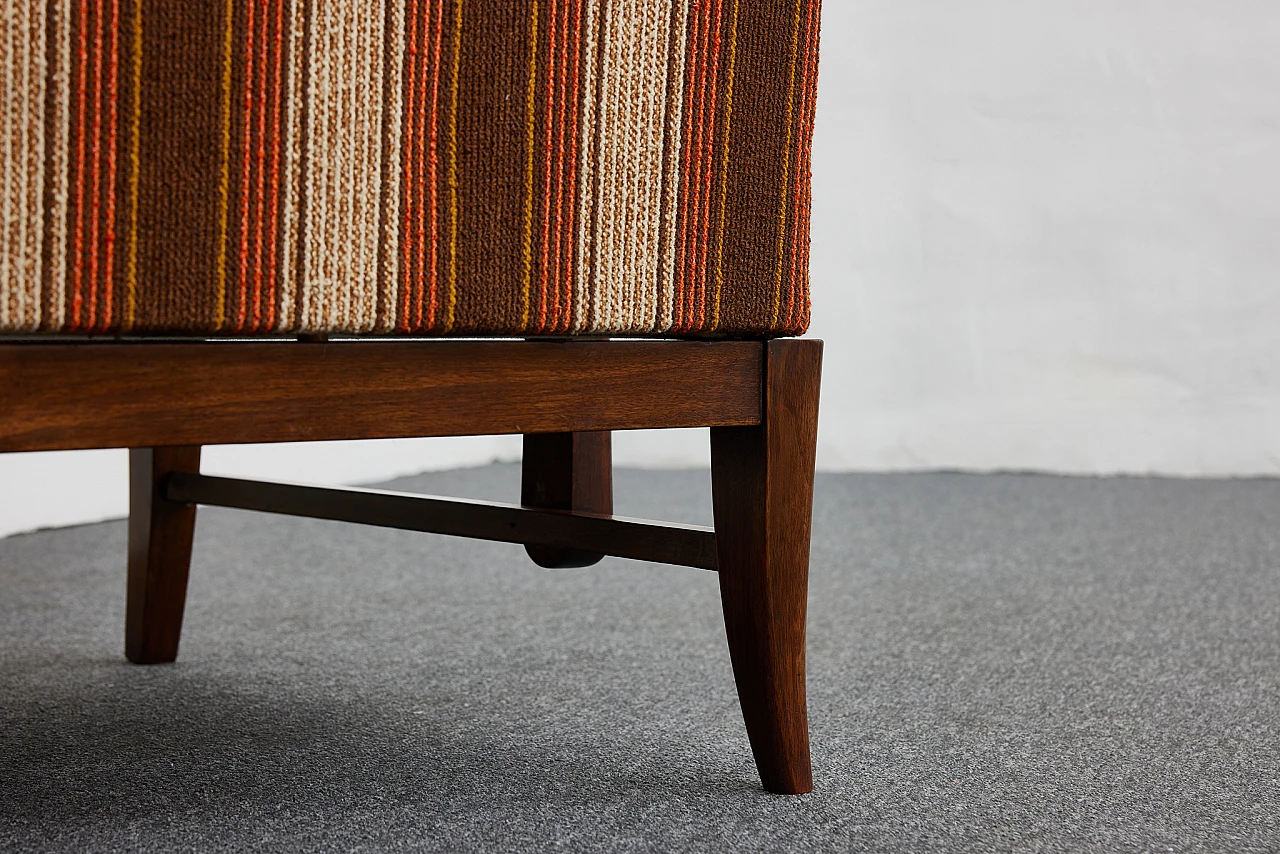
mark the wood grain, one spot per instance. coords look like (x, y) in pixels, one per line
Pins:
(567, 471)
(639, 539)
(762, 485)
(160, 535)
(82, 395)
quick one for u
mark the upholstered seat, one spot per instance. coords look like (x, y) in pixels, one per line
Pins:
(438, 167)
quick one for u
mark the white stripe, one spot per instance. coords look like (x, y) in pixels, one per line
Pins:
(290, 193)
(632, 115)
(390, 237)
(343, 177)
(676, 51)
(586, 170)
(25, 70)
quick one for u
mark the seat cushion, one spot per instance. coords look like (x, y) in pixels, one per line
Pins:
(425, 167)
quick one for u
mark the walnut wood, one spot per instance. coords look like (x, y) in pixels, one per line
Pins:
(762, 482)
(160, 534)
(113, 395)
(639, 539)
(567, 471)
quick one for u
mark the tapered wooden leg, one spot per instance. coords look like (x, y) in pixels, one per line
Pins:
(567, 471)
(762, 482)
(160, 534)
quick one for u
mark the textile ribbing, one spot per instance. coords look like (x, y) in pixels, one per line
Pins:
(410, 167)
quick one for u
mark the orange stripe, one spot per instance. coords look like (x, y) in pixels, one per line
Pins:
(692, 89)
(530, 131)
(246, 171)
(435, 166)
(406, 239)
(259, 218)
(452, 180)
(572, 165)
(547, 167)
(688, 166)
(135, 120)
(224, 166)
(113, 94)
(420, 181)
(803, 149)
(77, 271)
(815, 11)
(95, 195)
(786, 164)
(273, 214)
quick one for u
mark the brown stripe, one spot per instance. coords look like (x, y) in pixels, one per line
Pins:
(491, 134)
(177, 209)
(756, 160)
(57, 136)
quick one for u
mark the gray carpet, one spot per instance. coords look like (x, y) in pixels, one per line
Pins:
(1004, 663)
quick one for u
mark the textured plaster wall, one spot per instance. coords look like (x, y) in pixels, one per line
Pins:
(1047, 236)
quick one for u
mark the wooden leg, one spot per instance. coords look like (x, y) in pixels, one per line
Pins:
(567, 471)
(762, 482)
(160, 533)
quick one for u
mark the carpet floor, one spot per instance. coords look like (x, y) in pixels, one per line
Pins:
(996, 663)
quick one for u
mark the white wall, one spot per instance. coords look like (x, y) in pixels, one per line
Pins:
(1046, 236)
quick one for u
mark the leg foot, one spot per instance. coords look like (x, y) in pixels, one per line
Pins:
(567, 471)
(762, 481)
(160, 534)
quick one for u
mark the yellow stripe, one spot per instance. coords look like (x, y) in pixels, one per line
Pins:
(724, 166)
(224, 175)
(453, 166)
(528, 168)
(135, 124)
(786, 164)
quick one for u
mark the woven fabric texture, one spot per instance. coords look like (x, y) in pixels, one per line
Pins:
(428, 167)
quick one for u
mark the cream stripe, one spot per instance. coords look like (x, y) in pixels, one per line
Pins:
(676, 54)
(59, 166)
(344, 174)
(582, 299)
(24, 71)
(393, 92)
(603, 306)
(632, 116)
(291, 290)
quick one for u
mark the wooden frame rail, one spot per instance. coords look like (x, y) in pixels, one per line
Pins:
(638, 539)
(66, 396)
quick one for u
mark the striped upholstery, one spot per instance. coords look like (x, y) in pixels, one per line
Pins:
(509, 167)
